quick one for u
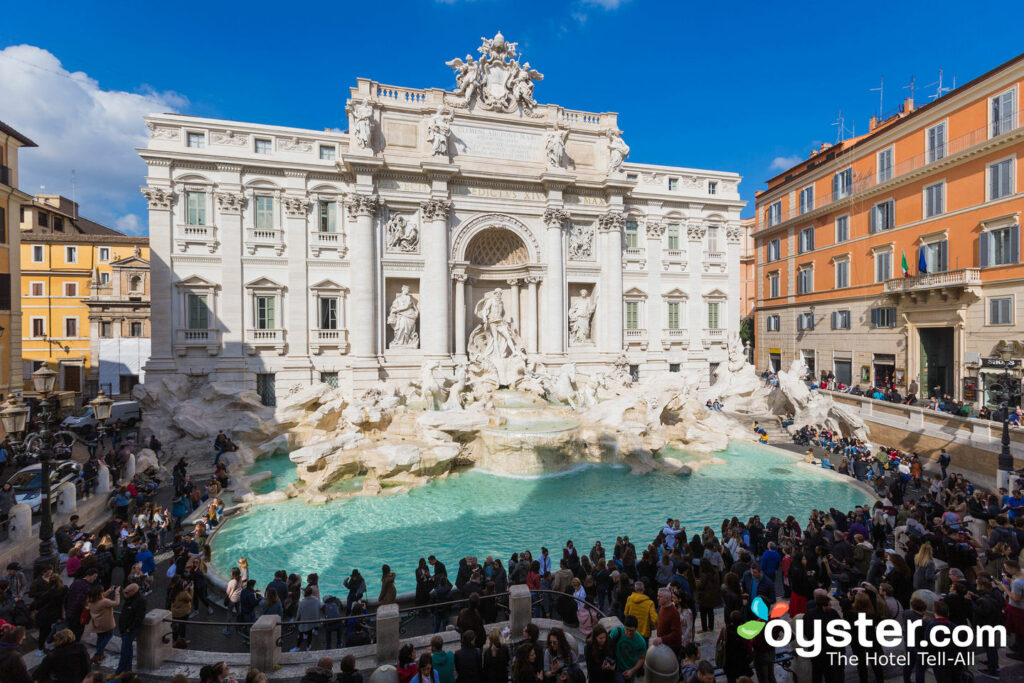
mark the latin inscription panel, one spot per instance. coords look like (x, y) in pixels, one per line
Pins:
(495, 144)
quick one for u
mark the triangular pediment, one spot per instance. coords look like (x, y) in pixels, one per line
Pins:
(263, 283)
(131, 262)
(328, 286)
(635, 293)
(197, 282)
(716, 294)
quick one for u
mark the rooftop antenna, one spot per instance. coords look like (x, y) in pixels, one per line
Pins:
(910, 87)
(881, 94)
(938, 90)
(841, 130)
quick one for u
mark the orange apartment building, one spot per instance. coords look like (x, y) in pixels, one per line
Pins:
(939, 185)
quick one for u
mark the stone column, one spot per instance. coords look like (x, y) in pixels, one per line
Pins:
(154, 641)
(264, 652)
(435, 318)
(656, 314)
(229, 311)
(733, 237)
(161, 235)
(363, 285)
(388, 640)
(296, 233)
(531, 313)
(555, 324)
(460, 314)
(696, 316)
(518, 324)
(520, 608)
(610, 320)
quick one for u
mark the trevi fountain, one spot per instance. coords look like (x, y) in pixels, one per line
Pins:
(511, 430)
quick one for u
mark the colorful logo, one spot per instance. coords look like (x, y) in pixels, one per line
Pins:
(750, 629)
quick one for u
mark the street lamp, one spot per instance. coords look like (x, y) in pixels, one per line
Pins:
(1006, 392)
(44, 380)
(14, 416)
(101, 411)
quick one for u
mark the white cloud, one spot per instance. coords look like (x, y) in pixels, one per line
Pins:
(606, 4)
(82, 127)
(782, 163)
(130, 224)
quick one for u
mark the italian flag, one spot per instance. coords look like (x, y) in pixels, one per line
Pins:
(906, 269)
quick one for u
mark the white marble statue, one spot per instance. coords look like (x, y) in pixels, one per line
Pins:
(497, 80)
(563, 389)
(402, 319)
(618, 151)
(455, 392)
(580, 314)
(554, 146)
(430, 389)
(438, 129)
(736, 383)
(362, 116)
(581, 242)
(500, 336)
(467, 75)
(401, 234)
(812, 408)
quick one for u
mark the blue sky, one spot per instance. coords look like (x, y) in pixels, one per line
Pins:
(743, 86)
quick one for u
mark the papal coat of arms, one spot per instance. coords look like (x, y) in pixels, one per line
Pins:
(496, 81)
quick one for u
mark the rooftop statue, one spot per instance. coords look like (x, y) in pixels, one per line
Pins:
(496, 81)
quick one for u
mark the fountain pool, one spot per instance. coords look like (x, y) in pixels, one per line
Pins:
(485, 514)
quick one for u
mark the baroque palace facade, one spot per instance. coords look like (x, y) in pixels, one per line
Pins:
(894, 258)
(282, 256)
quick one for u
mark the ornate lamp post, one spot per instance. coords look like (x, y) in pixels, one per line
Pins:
(14, 417)
(44, 379)
(1006, 390)
(101, 411)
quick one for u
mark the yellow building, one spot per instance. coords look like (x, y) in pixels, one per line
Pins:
(11, 201)
(65, 258)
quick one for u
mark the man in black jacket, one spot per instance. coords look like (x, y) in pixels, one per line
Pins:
(75, 600)
(129, 624)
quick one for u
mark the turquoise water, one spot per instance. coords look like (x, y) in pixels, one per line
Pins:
(282, 470)
(483, 514)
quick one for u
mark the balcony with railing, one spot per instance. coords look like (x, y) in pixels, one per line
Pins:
(634, 255)
(635, 337)
(328, 339)
(200, 235)
(320, 241)
(265, 339)
(713, 335)
(1009, 125)
(257, 238)
(675, 336)
(956, 279)
(185, 339)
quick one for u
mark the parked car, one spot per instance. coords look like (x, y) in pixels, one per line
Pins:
(125, 412)
(28, 485)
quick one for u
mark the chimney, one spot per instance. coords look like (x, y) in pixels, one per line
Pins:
(908, 105)
(872, 123)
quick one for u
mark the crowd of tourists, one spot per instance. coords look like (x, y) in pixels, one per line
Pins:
(869, 560)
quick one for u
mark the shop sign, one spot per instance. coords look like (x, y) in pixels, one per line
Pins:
(1013, 363)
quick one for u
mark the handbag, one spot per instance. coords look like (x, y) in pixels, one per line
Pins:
(85, 617)
(720, 649)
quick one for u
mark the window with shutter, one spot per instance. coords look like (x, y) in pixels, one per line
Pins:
(1000, 179)
(1000, 311)
(1004, 112)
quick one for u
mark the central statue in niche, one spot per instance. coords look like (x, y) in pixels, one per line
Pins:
(496, 352)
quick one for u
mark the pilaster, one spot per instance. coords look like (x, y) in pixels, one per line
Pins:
(610, 321)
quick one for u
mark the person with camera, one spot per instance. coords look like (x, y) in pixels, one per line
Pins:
(630, 649)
